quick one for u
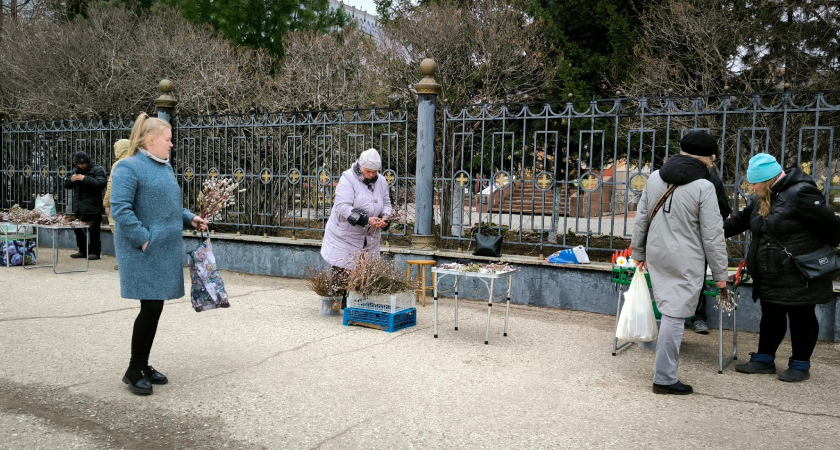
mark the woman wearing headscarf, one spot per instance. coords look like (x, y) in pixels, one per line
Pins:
(362, 203)
(787, 214)
(150, 218)
(120, 151)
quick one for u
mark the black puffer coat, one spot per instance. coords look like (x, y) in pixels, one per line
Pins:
(801, 221)
(87, 194)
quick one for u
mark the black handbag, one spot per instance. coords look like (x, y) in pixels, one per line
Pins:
(814, 265)
(488, 245)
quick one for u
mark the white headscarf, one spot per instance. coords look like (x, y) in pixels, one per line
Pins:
(369, 159)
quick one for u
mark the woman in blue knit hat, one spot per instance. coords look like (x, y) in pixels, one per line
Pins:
(790, 210)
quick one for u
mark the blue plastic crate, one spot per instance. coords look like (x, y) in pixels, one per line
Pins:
(381, 320)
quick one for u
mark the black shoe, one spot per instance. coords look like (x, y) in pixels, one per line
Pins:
(756, 367)
(77, 255)
(156, 377)
(92, 257)
(141, 386)
(794, 375)
(673, 389)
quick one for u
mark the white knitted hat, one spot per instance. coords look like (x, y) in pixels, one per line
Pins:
(369, 159)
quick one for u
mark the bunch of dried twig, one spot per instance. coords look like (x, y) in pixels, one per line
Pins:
(372, 275)
(726, 301)
(218, 194)
(320, 281)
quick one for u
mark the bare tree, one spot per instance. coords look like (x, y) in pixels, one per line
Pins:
(488, 51)
(328, 72)
(700, 46)
(110, 64)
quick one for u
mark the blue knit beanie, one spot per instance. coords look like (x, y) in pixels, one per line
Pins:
(762, 168)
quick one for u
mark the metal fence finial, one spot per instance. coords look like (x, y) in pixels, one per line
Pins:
(165, 100)
(428, 85)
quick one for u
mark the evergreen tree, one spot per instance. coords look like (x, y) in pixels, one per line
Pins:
(262, 23)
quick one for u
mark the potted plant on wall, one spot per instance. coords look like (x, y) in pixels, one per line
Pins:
(375, 284)
(322, 283)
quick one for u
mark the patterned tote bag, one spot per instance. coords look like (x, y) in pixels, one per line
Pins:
(208, 289)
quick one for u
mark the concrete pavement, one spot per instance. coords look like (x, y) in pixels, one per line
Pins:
(269, 372)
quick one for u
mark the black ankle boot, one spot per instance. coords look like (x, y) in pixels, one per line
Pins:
(155, 377)
(137, 382)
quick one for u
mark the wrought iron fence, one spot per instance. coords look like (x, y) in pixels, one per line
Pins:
(35, 157)
(547, 175)
(289, 164)
(571, 173)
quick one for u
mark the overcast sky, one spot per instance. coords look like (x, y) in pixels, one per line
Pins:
(366, 5)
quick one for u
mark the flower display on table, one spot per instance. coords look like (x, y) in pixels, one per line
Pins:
(484, 268)
(19, 215)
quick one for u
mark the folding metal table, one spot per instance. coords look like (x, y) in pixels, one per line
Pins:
(489, 280)
(55, 233)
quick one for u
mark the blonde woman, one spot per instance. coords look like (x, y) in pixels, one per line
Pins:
(789, 207)
(120, 151)
(149, 216)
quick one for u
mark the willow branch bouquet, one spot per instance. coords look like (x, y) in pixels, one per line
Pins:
(217, 195)
(372, 275)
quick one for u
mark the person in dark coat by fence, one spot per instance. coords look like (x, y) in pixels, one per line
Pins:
(789, 207)
(88, 182)
(703, 144)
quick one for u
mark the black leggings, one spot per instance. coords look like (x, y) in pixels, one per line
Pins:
(804, 329)
(145, 327)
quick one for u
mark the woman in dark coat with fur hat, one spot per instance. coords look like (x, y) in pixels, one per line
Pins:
(789, 207)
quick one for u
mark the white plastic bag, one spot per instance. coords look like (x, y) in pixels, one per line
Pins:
(580, 254)
(46, 204)
(637, 322)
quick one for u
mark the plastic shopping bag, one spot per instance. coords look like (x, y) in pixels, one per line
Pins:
(46, 204)
(208, 290)
(576, 255)
(17, 253)
(637, 322)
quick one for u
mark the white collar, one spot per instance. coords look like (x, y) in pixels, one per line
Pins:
(153, 157)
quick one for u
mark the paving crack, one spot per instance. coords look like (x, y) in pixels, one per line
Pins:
(756, 402)
(350, 428)
(281, 352)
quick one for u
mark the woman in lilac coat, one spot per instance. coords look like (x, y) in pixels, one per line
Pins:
(359, 213)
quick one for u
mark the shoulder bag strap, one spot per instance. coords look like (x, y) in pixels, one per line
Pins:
(767, 230)
(661, 201)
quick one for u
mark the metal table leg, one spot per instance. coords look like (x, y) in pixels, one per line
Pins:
(57, 237)
(507, 308)
(456, 303)
(734, 356)
(37, 256)
(617, 347)
(489, 308)
(435, 282)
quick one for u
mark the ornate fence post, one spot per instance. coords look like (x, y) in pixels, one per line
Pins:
(427, 92)
(165, 110)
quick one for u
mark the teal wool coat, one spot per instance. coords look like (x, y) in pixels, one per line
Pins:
(146, 206)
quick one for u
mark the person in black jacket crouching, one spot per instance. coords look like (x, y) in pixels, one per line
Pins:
(88, 182)
(789, 207)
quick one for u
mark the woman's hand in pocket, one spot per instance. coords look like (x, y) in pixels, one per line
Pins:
(143, 248)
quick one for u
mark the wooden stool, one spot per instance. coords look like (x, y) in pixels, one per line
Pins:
(421, 287)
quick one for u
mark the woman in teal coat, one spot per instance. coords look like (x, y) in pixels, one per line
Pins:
(147, 209)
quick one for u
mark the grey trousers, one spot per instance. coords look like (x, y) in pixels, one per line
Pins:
(671, 332)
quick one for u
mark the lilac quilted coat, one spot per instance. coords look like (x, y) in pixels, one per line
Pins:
(344, 241)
